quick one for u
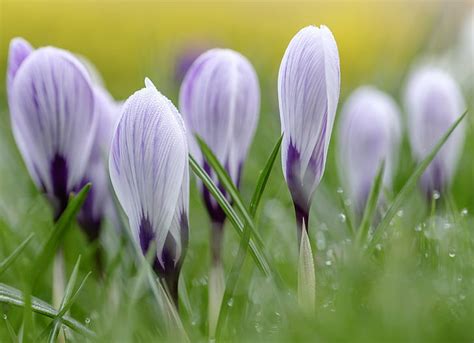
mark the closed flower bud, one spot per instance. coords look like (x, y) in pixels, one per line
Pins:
(149, 171)
(53, 119)
(220, 102)
(368, 135)
(433, 102)
(99, 202)
(308, 93)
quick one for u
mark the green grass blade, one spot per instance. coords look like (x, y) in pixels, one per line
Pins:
(67, 295)
(5, 264)
(233, 277)
(232, 216)
(64, 222)
(12, 296)
(229, 185)
(49, 248)
(410, 185)
(371, 206)
(263, 178)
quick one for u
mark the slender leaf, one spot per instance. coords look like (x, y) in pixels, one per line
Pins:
(229, 185)
(234, 219)
(410, 185)
(64, 222)
(49, 248)
(67, 295)
(371, 206)
(306, 275)
(263, 178)
(12, 296)
(244, 241)
(5, 264)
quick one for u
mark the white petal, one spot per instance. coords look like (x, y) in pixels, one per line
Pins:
(52, 111)
(148, 161)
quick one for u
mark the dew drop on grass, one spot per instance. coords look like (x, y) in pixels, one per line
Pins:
(464, 212)
(452, 254)
(400, 213)
(328, 263)
(339, 190)
(418, 228)
(87, 321)
(230, 303)
(462, 297)
(378, 246)
(342, 217)
(5, 316)
(436, 195)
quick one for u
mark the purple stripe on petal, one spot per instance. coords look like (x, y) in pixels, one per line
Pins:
(59, 176)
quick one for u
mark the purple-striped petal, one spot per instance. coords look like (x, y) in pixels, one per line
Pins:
(308, 93)
(433, 102)
(220, 102)
(53, 120)
(99, 202)
(149, 171)
(369, 134)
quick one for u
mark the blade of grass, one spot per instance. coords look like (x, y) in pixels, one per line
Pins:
(5, 264)
(257, 254)
(229, 186)
(233, 277)
(63, 311)
(370, 207)
(49, 248)
(410, 185)
(67, 295)
(12, 296)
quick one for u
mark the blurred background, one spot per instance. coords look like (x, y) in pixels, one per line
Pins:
(379, 42)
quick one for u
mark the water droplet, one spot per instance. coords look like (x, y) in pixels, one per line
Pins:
(88, 320)
(328, 263)
(342, 217)
(400, 213)
(418, 228)
(462, 297)
(340, 190)
(230, 303)
(452, 254)
(426, 255)
(348, 202)
(5, 316)
(378, 246)
(436, 195)
(464, 212)
(460, 278)
(258, 328)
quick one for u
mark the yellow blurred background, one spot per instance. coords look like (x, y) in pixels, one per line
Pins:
(128, 40)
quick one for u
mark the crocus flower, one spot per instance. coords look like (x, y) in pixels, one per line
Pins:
(433, 102)
(368, 135)
(220, 102)
(149, 171)
(99, 202)
(308, 93)
(53, 118)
